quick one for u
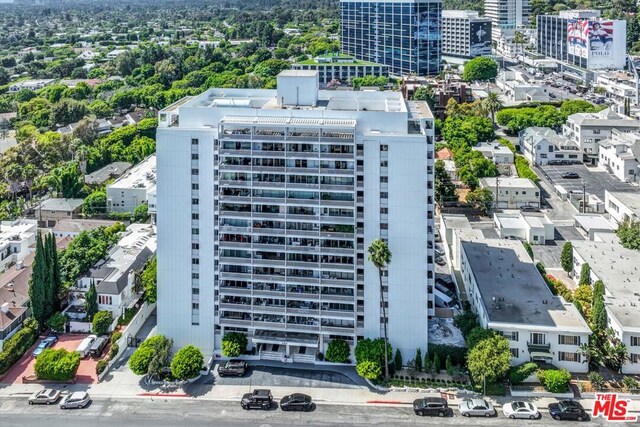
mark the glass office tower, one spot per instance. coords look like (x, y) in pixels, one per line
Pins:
(402, 34)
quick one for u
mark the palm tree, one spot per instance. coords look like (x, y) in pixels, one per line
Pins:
(380, 256)
(492, 104)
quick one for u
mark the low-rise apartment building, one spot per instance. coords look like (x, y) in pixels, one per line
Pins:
(509, 295)
(16, 240)
(617, 267)
(499, 154)
(50, 211)
(535, 228)
(543, 146)
(618, 155)
(342, 68)
(587, 129)
(512, 193)
(132, 189)
(622, 205)
(115, 277)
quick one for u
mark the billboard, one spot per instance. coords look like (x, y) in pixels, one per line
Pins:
(480, 35)
(601, 42)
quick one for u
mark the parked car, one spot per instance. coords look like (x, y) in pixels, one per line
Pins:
(296, 402)
(520, 409)
(431, 406)
(529, 208)
(98, 346)
(44, 397)
(234, 367)
(567, 410)
(85, 346)
(45, 344)
(570, 175)
(511, 238)
(440, 261)
(439, 252)
(77, 399)
(477, 408)
(258, 399)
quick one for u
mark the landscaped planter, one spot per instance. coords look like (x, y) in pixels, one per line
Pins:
(520, 391)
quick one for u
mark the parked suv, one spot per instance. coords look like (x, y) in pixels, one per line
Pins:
(567, 410)
(259, 399)
(431, 406)
(234, 367)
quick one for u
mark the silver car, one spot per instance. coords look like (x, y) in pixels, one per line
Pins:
(44, 397)
(77, 399)
(477, 408)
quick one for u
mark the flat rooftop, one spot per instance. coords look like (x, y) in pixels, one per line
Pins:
(143, 175)
(593, 222)
(504, 271)
(455, 221)
(508, 183)
(618, 268)
(631, 199)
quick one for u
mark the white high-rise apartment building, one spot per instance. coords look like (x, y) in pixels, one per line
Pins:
(506, 16)
(268, 201)
(465, 34)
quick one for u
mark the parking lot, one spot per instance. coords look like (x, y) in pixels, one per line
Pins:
(25, 366)
(596, 181)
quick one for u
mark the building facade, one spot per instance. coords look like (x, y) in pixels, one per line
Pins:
(405, 35)
(341, 68)
(543, 146)
(512, 193)
(132, 189)
(506, 16)
(552, 32)
(268, 201)
(622, 206)
(617, 155)
(465, 34)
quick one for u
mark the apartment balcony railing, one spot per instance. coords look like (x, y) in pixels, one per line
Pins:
(234, 183)
(236, 306)
(343, 314)
(232, 290)
(338, 329)
(338, 282)
(234, 228)
(234, 275)
(265, 293)
(337, 298)
(259, 308)
(305, 311)
(301, 327)
(227, 244)
(229, 321)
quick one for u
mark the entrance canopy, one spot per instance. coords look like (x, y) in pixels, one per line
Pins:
(261, 336)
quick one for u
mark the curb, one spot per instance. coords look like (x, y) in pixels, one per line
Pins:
(164, 395)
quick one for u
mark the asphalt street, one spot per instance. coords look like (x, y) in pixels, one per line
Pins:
(15, 412)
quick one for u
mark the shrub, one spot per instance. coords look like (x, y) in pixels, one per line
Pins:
(373, 350)
(466, 322)
(115, 337)
(57, 365)
(101, 366)
(18, 344)
(518, 374)
(57, 322)
(524, 170)
(555, 380)
(630, 383)
(101, 322)
(234, 344)
(397, 361)
(140, 360)
(436, 363)
(115, 348)
(152, 355)
(417, 362)
(369, 369)
(478, 334)
(458, 354)
(338, 351)
(187, 363)
(596, 380)
(448, 365)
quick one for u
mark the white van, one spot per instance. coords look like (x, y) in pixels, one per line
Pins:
(442, 300)
(85, 346)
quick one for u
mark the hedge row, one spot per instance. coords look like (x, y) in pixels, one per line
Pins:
(458, 354)
(16, 346)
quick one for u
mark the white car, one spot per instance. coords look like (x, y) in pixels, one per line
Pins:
(520, 409)
(476, 408)
(77, 399)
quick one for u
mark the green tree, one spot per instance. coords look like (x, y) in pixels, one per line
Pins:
(528, 248)
(152, 356)
(492, 104)
(437, 364)
(397, 361)
(95, 203)
(101, 322)
(448, 365)
(140, 360)
(481, 199)
(150, 281)
(380, 256)
(445, 190)
(57, 322)
(369, 369)
(489, 359)
(57, 365)
(477, 335)
(417, 362)
(66, 180)
(234, 344)
(91, 300)
(555, 380)
(37, 284)
(466, 321)
(585, 274)
(629, 234)
(599, 320)
(480, 68)
(337, 351)
(187, 363)
(566, 257)
(424, 93)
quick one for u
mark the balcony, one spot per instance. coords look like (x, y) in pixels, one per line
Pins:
(231, 275)
(232, 291)
(302, 327)
(266, 293)
(337, 298)
(231, 321)
(343, 314)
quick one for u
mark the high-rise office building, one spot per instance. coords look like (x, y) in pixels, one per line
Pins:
(465, 34)
(268, 201)
(402, 34)
(506, 16)
(552, 31)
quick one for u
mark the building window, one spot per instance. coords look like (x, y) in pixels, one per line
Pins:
(194, 141)
(510, 335)
(568, 357)
(384, 164)
(194, 156)
(195, 186)
(195, 306)
(384, 195)
(195, 291)
(195, 171)
(384, 147)
(384, 179)
(569, 339)
(195, 246)
(384, 211)
(635, 357)
(635, 341)
(195, 261)
(537, 338)
(514, 352)
(195, 201)
(195, 216)
(195, 231)
(195, 275)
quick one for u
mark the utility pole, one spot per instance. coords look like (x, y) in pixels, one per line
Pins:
(584, 196)
(497, 193)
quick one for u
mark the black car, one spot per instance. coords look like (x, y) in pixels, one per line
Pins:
(529, 208)
(234, 367)
(259, 399)
(431, 406)
(296, 402)
(567, 410)
(570, 175)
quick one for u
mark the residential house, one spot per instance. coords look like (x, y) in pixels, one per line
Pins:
(499, 154)
(518, 87)
(587, 129)
(30, 85)
(132, 188)
(52, 210)
(73, 227)
(622, 205)
(619, 155)
(535, 228)
(507, 292)
(543, 146)
(618, 269)
(512, 193)
(114, 54)
(111, 171)
(115, 276)
(16, 240)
